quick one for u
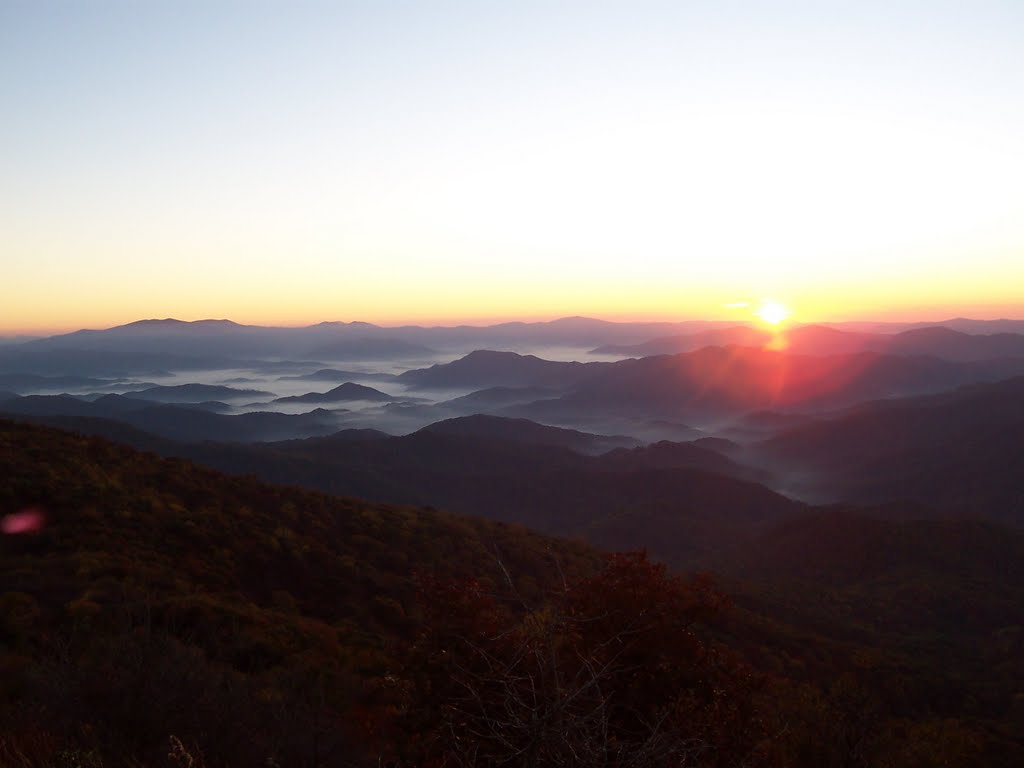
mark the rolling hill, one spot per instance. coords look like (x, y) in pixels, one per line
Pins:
(160, 599)
(156, 598)
(961, 450)
(187, 422)
(935, 341)
(346, 392)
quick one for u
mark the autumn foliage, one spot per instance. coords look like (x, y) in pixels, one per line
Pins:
(609, 670)
(262, 625)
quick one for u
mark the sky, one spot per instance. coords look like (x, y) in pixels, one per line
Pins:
(293, 162)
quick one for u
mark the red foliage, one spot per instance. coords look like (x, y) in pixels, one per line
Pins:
(610, 669)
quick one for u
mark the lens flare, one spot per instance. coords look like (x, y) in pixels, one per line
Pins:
(31, 520)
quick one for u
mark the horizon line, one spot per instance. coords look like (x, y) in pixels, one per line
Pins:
(481, 322)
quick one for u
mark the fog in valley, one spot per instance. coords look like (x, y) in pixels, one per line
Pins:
(745, 401)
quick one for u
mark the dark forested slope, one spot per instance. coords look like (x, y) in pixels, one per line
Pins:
(161, 598)
(143, 598)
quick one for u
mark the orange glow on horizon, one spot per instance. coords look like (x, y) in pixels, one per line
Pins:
(26, 316)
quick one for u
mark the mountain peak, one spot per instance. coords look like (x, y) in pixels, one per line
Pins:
(171, 322)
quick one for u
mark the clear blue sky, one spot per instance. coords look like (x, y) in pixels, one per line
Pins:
(391, 161)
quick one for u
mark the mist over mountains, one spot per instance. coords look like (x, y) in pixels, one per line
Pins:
(940, 341)
(131, 348)
(844, 413)
(847, 485)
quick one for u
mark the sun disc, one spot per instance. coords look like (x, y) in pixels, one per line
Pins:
(772, 312)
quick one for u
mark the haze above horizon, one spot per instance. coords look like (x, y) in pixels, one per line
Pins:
(444, 162)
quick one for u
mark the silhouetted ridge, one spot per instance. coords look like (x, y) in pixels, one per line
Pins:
(485, 368)
(342, 393)
(334, 375)
(166, 600)
(525, 431)
(186, 422)
(184, 393)
(937, 341)
(961, 450)
(716, 382)
(171, 322)
(25, 383)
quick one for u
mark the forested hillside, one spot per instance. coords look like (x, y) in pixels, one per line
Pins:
(154, 613)
(161, 598)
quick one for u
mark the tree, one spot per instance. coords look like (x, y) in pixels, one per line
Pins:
(610, 670)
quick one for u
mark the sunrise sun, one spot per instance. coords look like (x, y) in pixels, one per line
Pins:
(772, 312)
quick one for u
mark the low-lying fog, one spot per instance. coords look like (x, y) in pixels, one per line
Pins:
(409, 410)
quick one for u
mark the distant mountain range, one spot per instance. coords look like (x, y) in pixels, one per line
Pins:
(214, 339)
(958, 451)
(148, 346)
(369, 349)
(936, 341)
(710, 385)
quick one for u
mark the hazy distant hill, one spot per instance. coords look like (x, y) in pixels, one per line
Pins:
(954, 345)
(195, 393)
(712, 383)
(740, 335)
(187, 422)
(342, 393)
(37, 358)
(499, 397)
(221, 341)
(108, 406)
(333, 375)
(961, 450)
(369, 349)
(936, 341)
(213, 340)
(221, 344)
(26, 383)
(698, 454)
(528, 432)
(583, 332)
(484, 368)
(720, 382)
(968, 325)
(962, 324)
